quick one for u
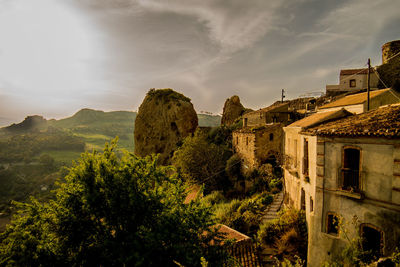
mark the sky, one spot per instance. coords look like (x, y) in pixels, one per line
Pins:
(58, 56)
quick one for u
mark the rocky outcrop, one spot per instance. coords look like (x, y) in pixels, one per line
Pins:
(164, 119)
(233, 109)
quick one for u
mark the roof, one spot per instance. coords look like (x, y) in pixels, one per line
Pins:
(380, 122)
(354, 71)
(231, 233)
(318, 118)
(193, 191)
(263, 128)
(276, 105)
(354, 99)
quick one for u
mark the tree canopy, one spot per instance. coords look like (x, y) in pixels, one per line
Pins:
(112, 211)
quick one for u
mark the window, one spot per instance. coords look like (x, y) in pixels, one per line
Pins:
(332, 224)
(271, 137)
(371, 240)
(305, 158)
(352, 83)
(303, 200)
(311, 204)
(247, 141)
(350, 172)
(237, 140)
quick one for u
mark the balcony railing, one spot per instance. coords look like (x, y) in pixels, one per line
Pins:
(350, 180)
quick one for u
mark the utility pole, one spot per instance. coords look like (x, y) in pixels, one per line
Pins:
(368, 79)
(283, 95)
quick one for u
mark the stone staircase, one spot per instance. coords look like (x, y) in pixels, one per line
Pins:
(267, 252)
(273, 209)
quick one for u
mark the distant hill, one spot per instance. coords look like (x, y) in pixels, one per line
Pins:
(95, 127)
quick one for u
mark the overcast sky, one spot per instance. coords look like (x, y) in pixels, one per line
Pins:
(58, 56)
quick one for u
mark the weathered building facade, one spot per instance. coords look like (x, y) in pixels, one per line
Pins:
(345, 174)
(353, 80)
(258, 145)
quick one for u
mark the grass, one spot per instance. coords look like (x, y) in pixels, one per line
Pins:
(66, 156)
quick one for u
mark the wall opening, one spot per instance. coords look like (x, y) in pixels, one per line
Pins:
(311, 204)
(372, 240)
(351, 169)
(303, 200)
(305, 158)
(332, 226)
(271, 137)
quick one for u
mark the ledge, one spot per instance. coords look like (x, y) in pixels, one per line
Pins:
(350, 194)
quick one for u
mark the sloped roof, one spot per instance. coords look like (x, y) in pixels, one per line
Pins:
(381, 122)
(354, 99)
(263, 128)
(354, 71)
(270, 108)
(319, 118)
(231, 233)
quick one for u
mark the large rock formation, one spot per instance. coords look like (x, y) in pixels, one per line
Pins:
(164, 119)
(233, 109)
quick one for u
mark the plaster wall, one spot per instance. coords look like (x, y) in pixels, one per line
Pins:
(360, 80)
(379, 205)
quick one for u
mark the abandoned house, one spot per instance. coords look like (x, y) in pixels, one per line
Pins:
(357, 103)
(344, 171)
(258, 145)
(351, 80)
(261, 138)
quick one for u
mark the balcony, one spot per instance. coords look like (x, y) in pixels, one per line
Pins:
(350, 183)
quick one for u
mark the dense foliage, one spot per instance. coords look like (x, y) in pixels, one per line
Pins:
(202, 162)
(112, 211)
(23, 147)
(288, 234)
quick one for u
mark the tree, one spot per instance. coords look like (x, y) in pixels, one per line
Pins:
(112, 211)
(202, 162)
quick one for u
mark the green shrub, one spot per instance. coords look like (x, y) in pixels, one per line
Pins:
(288, 233)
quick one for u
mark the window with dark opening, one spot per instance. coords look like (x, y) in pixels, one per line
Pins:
(351, 170)
(311, 204)
(332, 224)
(271, 137)
(352, 83)
(237, 140)
(372, 240)
(305, 158)
(247, 141)
(303, 200)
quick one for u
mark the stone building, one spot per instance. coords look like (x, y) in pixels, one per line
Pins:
(344, 171)
(258, 145)
(352, 80)
(357, 103)
(277, 112)
(261, 138)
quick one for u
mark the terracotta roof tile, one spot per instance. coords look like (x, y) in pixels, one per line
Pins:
(270, 108)
(381, 122)
(353, 99)
(319, 118)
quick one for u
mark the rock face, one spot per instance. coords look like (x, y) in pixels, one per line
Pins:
(164, 119)
(233, 109)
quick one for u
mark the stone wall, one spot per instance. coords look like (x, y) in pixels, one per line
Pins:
(256, 146)
(390, 49)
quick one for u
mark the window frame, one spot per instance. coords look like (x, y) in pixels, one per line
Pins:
(341, 169)
(328, 227)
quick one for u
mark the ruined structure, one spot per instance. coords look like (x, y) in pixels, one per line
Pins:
(233, 109)
(165, 118)
(261, 138)
(389, 50)
(357, 103)
(258, 145)
(343, 167)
